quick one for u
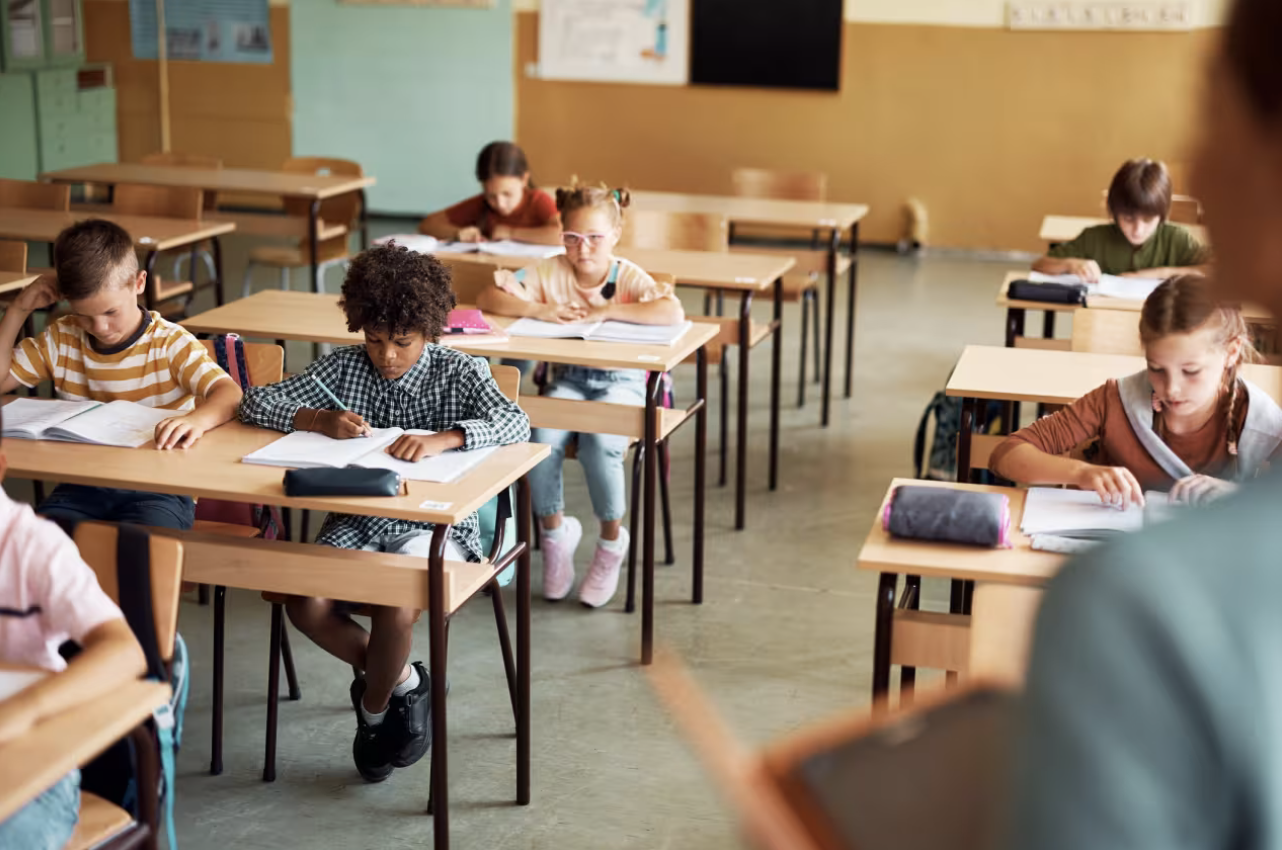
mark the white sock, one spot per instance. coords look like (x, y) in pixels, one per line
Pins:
(618, 544)
(410, 683)
(554, 533)
(370, 717)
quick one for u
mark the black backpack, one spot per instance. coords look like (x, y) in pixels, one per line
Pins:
(946, 411)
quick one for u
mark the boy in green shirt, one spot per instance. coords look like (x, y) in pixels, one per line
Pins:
(1140, 242)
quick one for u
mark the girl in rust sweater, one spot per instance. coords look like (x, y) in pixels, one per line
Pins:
(1188, 423)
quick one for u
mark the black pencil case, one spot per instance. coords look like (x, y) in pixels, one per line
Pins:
(950, 516)
(348, 481)
(1050, 293)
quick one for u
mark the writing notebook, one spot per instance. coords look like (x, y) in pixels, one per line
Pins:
(499, 248)
(1082, 514)
(606, 331)
(117, 423)
(313, 450)
(1111, 286)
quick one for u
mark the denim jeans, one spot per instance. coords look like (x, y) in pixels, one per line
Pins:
(600, 454)
(107, 504)
(46, 823)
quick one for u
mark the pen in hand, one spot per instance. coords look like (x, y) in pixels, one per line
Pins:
(336, 400)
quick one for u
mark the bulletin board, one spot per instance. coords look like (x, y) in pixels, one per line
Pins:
(617, 41)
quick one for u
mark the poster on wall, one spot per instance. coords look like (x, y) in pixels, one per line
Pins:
(204, 30)
(629, 41)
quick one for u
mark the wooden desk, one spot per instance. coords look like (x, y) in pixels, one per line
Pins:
(31, 764)
(152, 235)
(14, 281)
(311, 187)
(913, 638)
(213, 469)
(831, 217)
(310, 317)
(1057, 229)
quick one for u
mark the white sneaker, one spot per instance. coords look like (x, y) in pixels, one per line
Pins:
(558, 559)
(603, 576)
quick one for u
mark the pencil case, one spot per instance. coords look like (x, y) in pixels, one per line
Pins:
(1049, 293)
(948, 516)
(348, 481)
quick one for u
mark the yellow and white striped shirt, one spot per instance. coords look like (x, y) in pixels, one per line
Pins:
(162, 365)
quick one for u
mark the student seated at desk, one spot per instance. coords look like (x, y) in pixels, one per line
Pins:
(399, 378)
(1187, 424)
(1140, 242)
(110, 348)
(509, 207)
(49, 595)
(587, 283)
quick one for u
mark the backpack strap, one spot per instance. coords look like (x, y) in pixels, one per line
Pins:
(611, 281)
(229, 352)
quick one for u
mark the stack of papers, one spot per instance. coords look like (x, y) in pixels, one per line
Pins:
(1110, 286)
(1080, 515)
(310, 450)
(118, 423)
(606, 331)
(501, 248)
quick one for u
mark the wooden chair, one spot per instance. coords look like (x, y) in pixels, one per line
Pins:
(103, 825)
(172, 159)
(30, 195)
(13, 256)
(341, 209)
(164, 202)
(1101, 331)
(801, 284)
(469, 279)
(1185, 209)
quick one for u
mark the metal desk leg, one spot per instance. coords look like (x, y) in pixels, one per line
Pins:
(1014, 325)
(700, 468)
(440, 796)
(217, 246)
(1048, 324)
(776, 362)
(741, 447)
(648, 468)
(364, 220)
(882, 635)
(216, 732)
(313, 234)
(850, 308)
(834, 242)
(523, 644)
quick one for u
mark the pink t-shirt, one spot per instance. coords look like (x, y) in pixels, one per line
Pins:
(48, 594)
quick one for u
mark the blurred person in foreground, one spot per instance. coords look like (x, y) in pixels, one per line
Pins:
(1153, 716)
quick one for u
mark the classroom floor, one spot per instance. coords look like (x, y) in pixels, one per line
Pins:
(784, 636)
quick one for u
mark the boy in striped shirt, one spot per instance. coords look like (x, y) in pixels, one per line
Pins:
(109, 348)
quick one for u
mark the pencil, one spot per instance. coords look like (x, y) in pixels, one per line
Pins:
(332, 397)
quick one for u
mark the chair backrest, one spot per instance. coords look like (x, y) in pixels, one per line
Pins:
(27, 194)
(158, 201)
(1185, 209)
(680, 231)
(265, 361)
(340, 209)
(175, 159)
(97, 544)
(1102, 331)
(779, 185)
(508, 379)
(13, 256)
(469, 279)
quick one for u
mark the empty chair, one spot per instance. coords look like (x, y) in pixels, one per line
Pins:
(174, 159)
(164, 202)
(1102, 331)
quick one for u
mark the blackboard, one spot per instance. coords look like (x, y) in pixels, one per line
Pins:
(792, 44)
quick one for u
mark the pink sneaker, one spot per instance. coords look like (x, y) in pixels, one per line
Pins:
(558, 559)
(603, 576)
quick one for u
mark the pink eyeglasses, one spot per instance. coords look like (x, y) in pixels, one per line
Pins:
(570, 239)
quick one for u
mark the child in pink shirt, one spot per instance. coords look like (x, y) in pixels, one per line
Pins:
(49, 595)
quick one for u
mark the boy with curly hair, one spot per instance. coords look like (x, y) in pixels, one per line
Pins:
(400, 378)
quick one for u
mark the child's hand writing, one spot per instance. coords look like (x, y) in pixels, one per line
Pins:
(1200, 489)
(1087, 270)
(470, 234)
(341, 424)
(178, 432)
(415, 447)
(40, 293)
(1115, 484)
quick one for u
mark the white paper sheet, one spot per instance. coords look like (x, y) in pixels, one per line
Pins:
(311, 450)
(26, 418)
(443, 468)
(12, 681)
(1049, 510)
(118, 423)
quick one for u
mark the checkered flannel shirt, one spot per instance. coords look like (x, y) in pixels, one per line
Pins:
(445, 390)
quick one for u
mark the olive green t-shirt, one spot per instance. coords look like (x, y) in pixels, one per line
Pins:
(1170, 245)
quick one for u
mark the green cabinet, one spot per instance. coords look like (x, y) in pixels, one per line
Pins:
(51, 123)
(41, 34)
(19, 142)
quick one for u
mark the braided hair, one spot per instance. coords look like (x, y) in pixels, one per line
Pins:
(1184, 304)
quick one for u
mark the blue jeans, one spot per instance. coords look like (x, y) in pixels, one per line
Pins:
(46, 823)
(107, 504)
(600, 454)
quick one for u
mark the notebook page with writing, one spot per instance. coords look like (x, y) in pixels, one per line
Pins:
(312, 450)
(119, 423)
(552, 330)
(442, 469)
(28, 418)
(1049, 510)
(1127, 288)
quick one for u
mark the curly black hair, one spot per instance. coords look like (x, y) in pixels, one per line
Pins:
(393, 289)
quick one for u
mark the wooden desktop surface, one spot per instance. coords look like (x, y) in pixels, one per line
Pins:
(150, 234)
(215, 179)
(31, 764)
(1065, 228)
(13, 281)
(755, 210)
(1059, 377)
(279, 314)
(213, 470)
(1020, 565)
(1251, 312)
(712, 269)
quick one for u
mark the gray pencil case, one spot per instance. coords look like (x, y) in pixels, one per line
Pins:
(948, 516)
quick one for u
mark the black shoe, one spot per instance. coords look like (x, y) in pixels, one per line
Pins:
(408, 722)
(370, 749)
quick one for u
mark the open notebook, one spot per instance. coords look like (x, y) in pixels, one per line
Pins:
(310, 450)
(1079, 514)
(606, 331)
(501, 248)
(116, 423)
(1111, 286)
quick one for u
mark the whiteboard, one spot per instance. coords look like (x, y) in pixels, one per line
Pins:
(621, 41)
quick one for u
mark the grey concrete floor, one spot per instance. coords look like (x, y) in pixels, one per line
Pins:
(783, 638)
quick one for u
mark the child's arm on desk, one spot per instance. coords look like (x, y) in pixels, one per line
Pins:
(40, 293)
(181, 432)
(1087, 270)
(514, 294)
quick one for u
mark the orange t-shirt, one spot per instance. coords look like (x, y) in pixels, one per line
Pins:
(537, 209)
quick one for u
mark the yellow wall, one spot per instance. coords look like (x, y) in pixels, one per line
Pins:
(990, 129)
